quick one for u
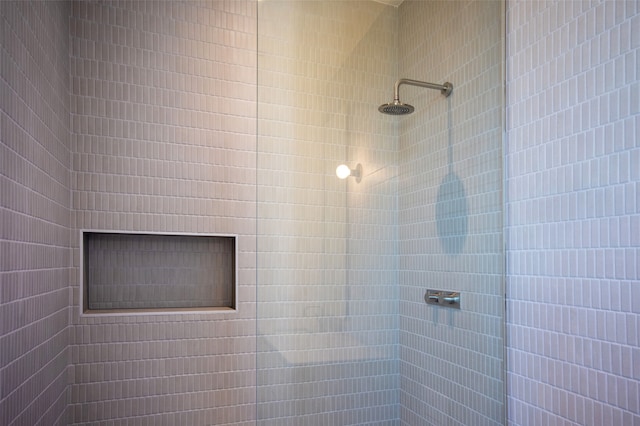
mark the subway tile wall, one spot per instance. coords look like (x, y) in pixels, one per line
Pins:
(163, 116)
(573, 211)
(327, 300)
(450, 214)
(572, 208)
(35, 197)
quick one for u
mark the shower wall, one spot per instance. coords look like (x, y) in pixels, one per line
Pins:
(327, 300)
(163, 140)
(572, 211)
(573, 170)
(450, 214)
(35, 199)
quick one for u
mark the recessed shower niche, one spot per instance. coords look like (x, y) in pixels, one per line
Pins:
(127, 272)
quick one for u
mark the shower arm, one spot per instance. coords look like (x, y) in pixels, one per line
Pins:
(445, 88)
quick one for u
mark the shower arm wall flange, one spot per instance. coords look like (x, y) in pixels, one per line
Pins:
(445, 88)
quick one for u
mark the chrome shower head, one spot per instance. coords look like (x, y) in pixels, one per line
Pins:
(398, 108)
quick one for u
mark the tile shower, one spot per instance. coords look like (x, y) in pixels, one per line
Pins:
(345, 334)
(177, 117)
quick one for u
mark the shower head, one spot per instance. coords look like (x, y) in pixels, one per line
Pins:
(398, 108)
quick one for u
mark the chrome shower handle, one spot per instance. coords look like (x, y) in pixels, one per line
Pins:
(453, 297)
(435, 298)
(449, 299)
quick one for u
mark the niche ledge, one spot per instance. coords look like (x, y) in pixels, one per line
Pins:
(125, 273)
